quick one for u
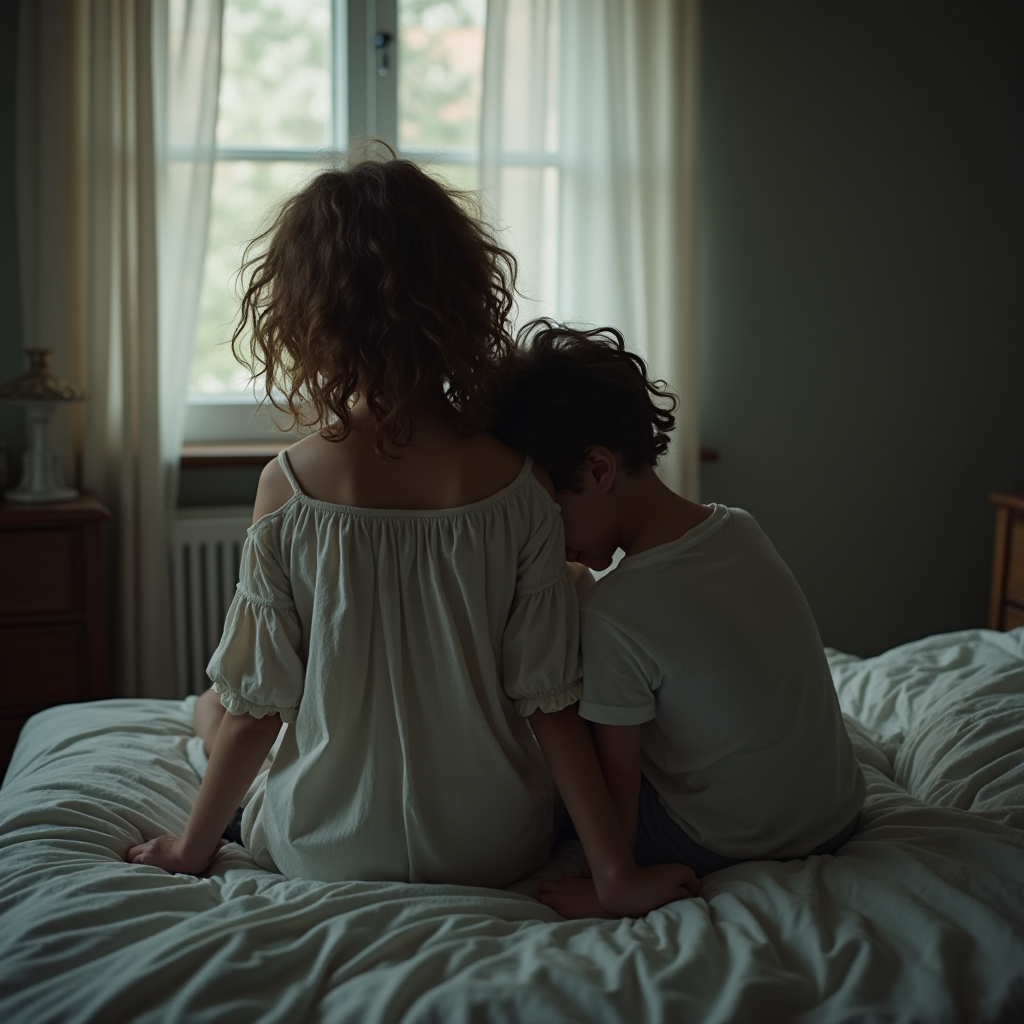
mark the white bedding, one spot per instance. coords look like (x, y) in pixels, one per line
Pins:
(919, 917)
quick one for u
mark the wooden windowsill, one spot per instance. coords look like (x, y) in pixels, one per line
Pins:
(231, 455)
(255, 455)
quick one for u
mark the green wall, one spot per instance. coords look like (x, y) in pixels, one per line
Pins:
(862, 308)
(862, 297)
(12, 362)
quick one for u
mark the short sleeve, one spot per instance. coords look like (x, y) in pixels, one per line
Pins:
(257, 668)
(540, 648)
(617, 687)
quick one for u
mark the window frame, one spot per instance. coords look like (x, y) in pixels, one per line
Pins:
(362, 103)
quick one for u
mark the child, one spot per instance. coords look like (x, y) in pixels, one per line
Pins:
(404, 600)
(716, 724)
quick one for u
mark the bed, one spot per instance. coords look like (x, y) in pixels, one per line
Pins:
(920, 917)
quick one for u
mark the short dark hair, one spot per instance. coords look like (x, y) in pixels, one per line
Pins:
(568, 389)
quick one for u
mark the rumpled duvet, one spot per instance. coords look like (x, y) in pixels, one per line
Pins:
(920, 917)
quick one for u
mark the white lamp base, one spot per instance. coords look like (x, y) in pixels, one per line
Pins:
(41, 479)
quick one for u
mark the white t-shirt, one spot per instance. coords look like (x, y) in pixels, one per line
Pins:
(405, 647)
(709, 643)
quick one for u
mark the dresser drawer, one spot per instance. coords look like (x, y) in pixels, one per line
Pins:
(1013, 617)
(40, 567)
(9, 730)
(43, 664)
(1015, 563)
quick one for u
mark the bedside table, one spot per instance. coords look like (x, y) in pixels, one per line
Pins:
(1006, 608)
(53, 610)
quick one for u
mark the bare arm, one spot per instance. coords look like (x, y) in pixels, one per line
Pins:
(568, 748)
(618, 750)
(622, 889)
(242, 745)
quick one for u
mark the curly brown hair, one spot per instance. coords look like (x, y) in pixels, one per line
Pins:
(568, 389)
(375, 281)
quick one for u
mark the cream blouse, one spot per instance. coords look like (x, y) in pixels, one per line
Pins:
(404, 647)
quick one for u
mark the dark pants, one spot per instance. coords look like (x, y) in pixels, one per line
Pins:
(659, 840)
(233, 833)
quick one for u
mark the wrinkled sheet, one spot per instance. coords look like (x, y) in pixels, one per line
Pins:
(920, 917)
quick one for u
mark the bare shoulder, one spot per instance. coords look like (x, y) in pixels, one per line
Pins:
(324, 468)
(274, 490)
(511, 462)
(544, 478)
(484, 452)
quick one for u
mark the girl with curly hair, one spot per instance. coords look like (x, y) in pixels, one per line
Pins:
(404, 601)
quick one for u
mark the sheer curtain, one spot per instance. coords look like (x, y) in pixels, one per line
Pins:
(116, 118)
(189, 41)
(588, 156)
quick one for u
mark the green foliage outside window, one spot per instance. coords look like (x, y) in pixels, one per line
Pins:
(276, 93)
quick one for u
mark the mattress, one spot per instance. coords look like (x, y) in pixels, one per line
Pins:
(919, 917)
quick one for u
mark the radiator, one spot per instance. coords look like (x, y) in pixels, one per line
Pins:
(206, 547)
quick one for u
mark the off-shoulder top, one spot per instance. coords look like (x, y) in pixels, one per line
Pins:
(404, 648)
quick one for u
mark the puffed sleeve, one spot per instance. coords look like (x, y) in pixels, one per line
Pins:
(540, 649)
(257, 668)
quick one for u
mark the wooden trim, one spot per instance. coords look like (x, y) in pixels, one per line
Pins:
(245, 455)
(95, 609)
(57, 513)
(1013, 617)
(1014, 501)
(995, 604)
(231, 456)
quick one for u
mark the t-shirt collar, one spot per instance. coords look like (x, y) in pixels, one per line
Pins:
(718, 517)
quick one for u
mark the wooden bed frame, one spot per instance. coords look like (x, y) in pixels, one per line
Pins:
(1006, 605)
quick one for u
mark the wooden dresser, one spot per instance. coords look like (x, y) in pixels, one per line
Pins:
(1006, 609)
(53, 610)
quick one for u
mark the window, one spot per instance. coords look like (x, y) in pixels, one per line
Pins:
(298, 79)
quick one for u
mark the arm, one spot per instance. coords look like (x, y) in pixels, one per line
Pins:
(622, 889)
(568, 748)
(239, 750)
(241, 742)
(618, 750)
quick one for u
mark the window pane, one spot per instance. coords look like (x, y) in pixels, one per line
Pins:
(275, 85)
(440, 66)
(245, 195)
(465, 177)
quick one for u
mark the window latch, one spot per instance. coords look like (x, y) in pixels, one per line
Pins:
(382, 44)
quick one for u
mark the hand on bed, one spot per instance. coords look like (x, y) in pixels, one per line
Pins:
(644, 890)
(572, 898)
(165, 852)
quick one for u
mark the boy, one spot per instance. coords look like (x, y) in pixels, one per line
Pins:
(716, 724)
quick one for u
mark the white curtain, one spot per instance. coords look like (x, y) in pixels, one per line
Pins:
(588, 156)
(116, 118)
(189, 40)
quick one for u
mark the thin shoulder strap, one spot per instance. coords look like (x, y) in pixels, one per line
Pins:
(287, 470)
